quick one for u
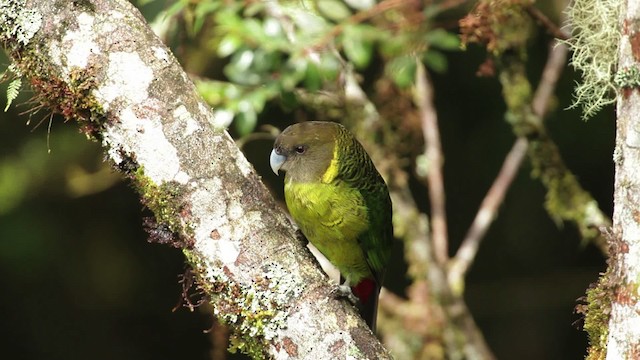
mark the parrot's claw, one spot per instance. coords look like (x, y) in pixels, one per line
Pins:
(344, 291)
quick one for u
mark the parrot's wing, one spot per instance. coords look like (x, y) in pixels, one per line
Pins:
(376, 243)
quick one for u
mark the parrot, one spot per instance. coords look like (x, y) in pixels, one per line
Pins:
(341, 204)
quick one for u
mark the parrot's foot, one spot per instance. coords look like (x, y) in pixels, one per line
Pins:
(344, 291)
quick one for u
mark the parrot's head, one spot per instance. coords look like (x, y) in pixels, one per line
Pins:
(305, 150)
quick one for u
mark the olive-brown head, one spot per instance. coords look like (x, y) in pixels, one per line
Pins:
(305, 150)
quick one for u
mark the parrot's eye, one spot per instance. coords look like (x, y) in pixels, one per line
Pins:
(300, 149)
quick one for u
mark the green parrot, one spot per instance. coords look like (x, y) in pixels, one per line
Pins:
(340, 202)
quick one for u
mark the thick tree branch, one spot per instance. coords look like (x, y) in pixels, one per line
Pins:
(97, 62)
(622, 278)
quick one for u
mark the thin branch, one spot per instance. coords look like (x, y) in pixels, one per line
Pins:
(467, 251)
(545, 22)
(357, 18)
(434, 160)
(556, 62)
(469, 248)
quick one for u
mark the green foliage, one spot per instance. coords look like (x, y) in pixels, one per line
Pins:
(271, 50)
(166, 202)
(596, 310)
(12, 91)
(30, 168)
(335, 10)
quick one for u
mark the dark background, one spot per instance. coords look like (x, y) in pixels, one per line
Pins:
(79, 279)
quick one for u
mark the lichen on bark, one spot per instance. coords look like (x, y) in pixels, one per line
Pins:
(112, 70)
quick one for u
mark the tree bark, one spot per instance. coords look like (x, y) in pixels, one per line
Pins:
(623, 340)
(97, 62)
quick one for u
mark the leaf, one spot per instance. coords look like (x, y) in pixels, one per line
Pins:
(329, 66)
(356, 46)
(12, 91)
(444, 40)
(240, 69)
(211, 91)
(361, 4)
(246, 120)
(333, 9)
(289, 101)
(402, 70)
(436, 61)
(258, 98)
(174, 9)
(228, 45)
(253, 8)
(432, 10)
(254, 28)
(312, 78)
(203, 9)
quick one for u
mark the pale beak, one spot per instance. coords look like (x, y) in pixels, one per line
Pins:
(276, 160)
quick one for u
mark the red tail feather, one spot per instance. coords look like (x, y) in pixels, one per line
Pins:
(364, 289)
(367, 292)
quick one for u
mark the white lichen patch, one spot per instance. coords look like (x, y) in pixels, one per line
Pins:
(128, 79)
(221, 118)
(191, 125)
(243, 164)
(633, 7)
(283, 283)
(234, 210)
(255, 308)
(633, 136)
(82, 43)
(205, 111)
(213, 235)
(227, 249)
(55, 53)
(627, 331)
(160, 53)
(247, 226)
(16, 20)
(221, 245)
(317, 340)
(182, 177)
(221, 226)
(631, 236)
(145, 138)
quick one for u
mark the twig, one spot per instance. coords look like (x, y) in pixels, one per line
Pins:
(544, 21)
(467, 251)
(553, 69)
(434, 160)
(469, 248)
(356, 19)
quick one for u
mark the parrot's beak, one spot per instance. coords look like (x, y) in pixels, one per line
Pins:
(276, 160)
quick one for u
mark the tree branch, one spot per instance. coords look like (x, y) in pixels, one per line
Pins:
(566, 200)
(618, 288)
(466, 253)
(556, 61)
(97, 62)
(432, 161)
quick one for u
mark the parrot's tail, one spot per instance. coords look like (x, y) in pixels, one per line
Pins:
(367, 292)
